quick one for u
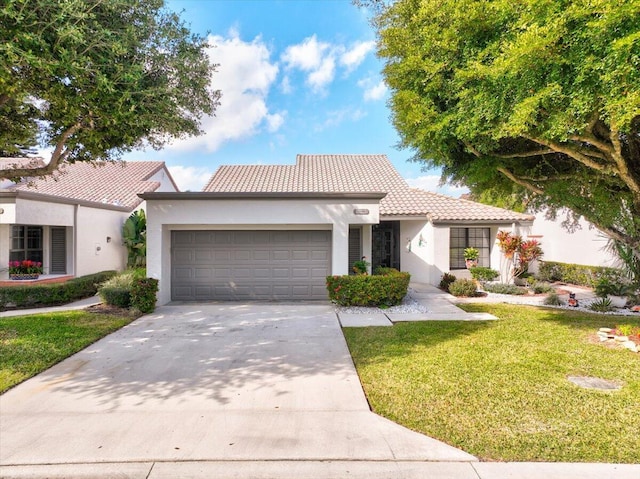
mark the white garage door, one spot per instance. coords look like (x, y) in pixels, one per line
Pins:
(249, 265)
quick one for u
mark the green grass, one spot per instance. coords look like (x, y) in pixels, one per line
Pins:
(31, 344)
(499, 389)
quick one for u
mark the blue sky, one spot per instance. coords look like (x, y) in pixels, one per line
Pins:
(297, 76)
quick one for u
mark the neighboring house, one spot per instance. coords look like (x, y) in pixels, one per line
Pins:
(276, 231)
(585, 245)
(72, 220)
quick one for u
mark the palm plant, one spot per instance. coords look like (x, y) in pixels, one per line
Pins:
(134, 236)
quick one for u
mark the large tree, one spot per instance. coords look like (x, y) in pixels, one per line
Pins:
(92, 79)
(535, 98)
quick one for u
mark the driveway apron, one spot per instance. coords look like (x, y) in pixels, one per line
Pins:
(224, 381)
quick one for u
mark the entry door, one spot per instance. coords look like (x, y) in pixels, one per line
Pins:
(58, 251)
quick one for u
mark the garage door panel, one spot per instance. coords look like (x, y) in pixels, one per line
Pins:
(280, 255)
(241, 265)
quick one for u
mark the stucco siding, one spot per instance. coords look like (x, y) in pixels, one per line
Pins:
(586, 246)
(31, 212)
(93, 252)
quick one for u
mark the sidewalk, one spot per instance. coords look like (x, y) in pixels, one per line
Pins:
(325, 469)
(81, 304)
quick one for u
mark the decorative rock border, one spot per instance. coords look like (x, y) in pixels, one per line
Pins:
(607, 334)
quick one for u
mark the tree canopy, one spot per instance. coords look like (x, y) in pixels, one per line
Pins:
(535, 98)
(92, 79)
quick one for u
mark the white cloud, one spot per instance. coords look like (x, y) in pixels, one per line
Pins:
(337, 117)
(323, 75)
(432, 183)
(306, 56)
(353, 57)
(318, 60)
(285, 85)
(190, 178)
(275, 121)
(245, 75)
(375, 92)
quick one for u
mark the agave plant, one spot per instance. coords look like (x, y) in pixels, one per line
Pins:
(134, 236)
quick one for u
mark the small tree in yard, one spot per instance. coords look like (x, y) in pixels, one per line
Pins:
(517, 253)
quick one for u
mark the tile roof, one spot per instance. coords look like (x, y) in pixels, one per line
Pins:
(107, 183)
(354, 174)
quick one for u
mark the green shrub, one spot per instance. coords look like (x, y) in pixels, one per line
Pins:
(606, 286)
(115, 296)
(40, 295)
(361, 266)
(463, 287)
(482, 273)
(602, 305)
(553, 300)
(541, 288)
(578, 274)
(117, 290)
(143, 294)
(363, 290)
(501, 288)
(446, 281)
(385, 271)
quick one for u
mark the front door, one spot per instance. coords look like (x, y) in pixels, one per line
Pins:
(386, 245)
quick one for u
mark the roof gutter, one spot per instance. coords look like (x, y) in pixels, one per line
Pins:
(206, 195)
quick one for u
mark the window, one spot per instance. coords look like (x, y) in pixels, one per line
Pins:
(26, 243)
(461, 238)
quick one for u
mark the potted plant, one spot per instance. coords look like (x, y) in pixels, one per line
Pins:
(471, 256)
(25, 269)
(361, 266)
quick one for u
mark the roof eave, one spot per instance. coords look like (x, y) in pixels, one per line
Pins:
(207, 195)
(28, 195)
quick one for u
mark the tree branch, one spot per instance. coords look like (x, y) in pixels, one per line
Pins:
(520, 181)
(58, 156)
(576, 155)
(526, 154)
(623, 167)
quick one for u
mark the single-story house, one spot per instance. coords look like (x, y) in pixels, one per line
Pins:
(72, 220)
(276, 231)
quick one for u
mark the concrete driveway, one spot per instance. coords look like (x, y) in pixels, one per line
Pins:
(215, 382)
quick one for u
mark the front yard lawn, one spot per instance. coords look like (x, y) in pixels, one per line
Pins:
(499, 389)
(31, 344)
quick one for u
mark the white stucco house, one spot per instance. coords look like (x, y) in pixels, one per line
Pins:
(276, 231)
(585, 245)
(71, 221)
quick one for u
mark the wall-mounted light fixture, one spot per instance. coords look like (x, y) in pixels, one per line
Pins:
(421, 241)
(408, 245)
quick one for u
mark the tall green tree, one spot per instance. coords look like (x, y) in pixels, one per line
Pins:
(92, 79)
(535, 98)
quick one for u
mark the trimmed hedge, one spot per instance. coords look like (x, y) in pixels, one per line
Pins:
(143, 294)
(39, 295)
(577, 274)
(386, 289)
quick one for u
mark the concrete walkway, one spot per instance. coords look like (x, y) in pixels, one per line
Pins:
(440, 306)
(81, 304)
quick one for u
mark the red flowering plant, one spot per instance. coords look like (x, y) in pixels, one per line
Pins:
(25, 267)
(519, 253)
